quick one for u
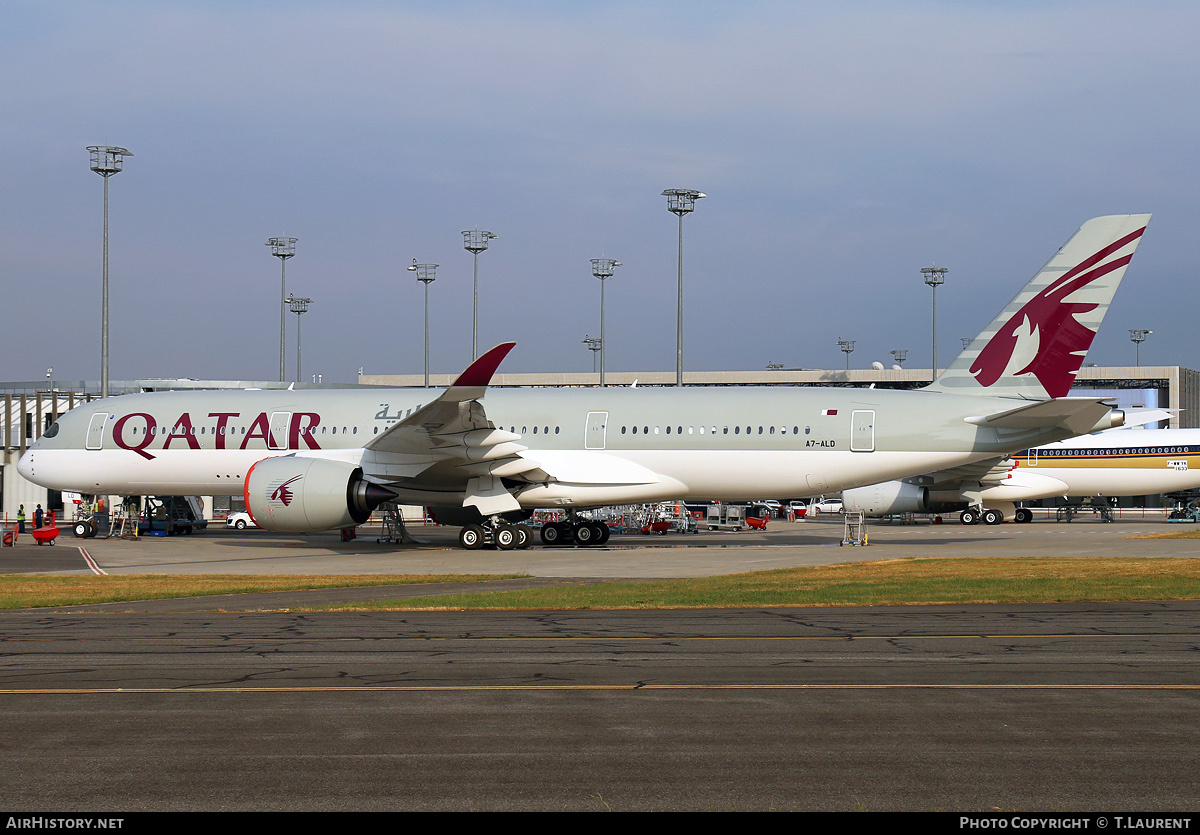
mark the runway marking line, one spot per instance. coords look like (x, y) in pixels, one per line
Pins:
(91, 563)
(88, 691)
(597, 638)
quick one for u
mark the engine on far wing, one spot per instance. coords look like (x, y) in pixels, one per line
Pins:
(900, 497)
(295, 493)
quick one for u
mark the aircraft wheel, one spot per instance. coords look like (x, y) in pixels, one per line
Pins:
(968, 517)
(506, 537)
(605, 533)
(81, 530)
(552, 534)
(471, 537)
(524, 535)
(1024, 515)
(993, 517)
(585, 534)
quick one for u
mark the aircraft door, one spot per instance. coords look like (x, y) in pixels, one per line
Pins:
(595, 431)
(862, 430)
(95, 433)
(278, 438)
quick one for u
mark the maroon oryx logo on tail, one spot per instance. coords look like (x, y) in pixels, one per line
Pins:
(1044, 337)
(282, 493)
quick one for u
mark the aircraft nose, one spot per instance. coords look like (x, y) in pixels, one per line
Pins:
(25, 465)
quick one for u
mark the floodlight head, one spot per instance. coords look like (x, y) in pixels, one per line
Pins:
(106, 160)
(425, 272)
(934, 275)
(475, 240)
(682, 200)
(282, 247)
(603, 268)
(1139, 334)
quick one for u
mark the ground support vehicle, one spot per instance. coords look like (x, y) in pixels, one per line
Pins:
(1185, 513)
(45, 535)
(1100, 508)
(729, 517)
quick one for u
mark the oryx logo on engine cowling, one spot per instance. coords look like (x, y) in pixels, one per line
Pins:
(1044, 337)
(282, 493)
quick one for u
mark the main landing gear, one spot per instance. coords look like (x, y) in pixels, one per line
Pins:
(987, 515)
(579, 532)
(496, 534)
(994, 516)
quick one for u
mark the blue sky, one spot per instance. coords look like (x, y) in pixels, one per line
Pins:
(843, 147)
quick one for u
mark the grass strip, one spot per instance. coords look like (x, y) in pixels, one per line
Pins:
(883, 583)
(24, 591)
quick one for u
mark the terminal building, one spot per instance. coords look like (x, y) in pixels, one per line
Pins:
(31, 407)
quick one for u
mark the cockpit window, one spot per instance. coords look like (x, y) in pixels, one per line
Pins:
(52, 431)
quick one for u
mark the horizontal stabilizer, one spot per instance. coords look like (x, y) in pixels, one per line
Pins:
(1077, 415)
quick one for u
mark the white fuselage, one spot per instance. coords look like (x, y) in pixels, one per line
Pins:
(601, 446)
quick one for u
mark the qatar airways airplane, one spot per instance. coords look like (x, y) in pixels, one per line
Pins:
(322, 460)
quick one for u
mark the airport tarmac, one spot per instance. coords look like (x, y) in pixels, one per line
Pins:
(1057, 707)
(783, 544)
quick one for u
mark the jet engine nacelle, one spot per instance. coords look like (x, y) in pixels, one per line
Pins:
(295, 493)
(886, 498)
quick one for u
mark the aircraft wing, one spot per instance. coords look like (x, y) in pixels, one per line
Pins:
(989, 471)
(454, 432)
(442, 425)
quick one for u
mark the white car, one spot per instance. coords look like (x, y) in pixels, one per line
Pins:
(240, 520)
(826, 506)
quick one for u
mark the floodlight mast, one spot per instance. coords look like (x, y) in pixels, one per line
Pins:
(282, 248)
(602, 268)
(106, 160)
(1138, 336)
(298, 306)
(846, 345)
(680, 201)
(475, 242)
(934, 277)
(593, 344)
(426, 274)
(899, 356)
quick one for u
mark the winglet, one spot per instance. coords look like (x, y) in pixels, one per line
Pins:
(479, 373)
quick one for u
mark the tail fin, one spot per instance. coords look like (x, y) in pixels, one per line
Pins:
(1036, 346)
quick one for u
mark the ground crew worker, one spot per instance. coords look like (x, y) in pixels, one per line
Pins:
(21, 519)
